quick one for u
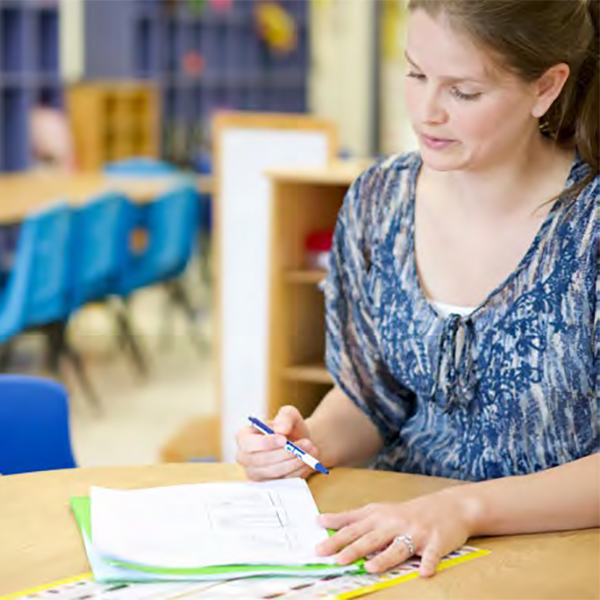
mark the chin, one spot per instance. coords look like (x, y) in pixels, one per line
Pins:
(442, 160)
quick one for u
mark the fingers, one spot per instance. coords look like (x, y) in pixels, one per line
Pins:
(249, 440)
(430, 559)
(265, 457)
(350, 526)
(339, 520)
(282, 463)
(395, 554)
(365, 545)
(287, 419)
(288, 467)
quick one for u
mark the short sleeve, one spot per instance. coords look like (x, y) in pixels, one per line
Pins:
(352, 353)
(596, 332)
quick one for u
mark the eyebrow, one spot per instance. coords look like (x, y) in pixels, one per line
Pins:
(446, 78)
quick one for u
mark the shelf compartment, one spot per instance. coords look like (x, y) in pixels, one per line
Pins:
(305, 276)
(144, 38)
(304, 395)
(12, 40)
(14, 106)
(47, 32)
(310, 373)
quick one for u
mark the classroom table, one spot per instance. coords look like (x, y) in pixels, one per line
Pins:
(40, 542)
(25, 192)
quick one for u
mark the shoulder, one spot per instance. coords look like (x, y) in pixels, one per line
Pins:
(582, 210)
(378, 190)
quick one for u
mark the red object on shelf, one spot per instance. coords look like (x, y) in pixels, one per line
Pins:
(193, 63)
(318, 248)
(319, 241)
(222, 5)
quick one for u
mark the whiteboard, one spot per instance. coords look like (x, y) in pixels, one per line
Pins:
(244, 208)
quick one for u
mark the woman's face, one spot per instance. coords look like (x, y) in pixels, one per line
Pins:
(467, 113)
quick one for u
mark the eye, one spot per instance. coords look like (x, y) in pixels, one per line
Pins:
(415, 75)
(463, 95)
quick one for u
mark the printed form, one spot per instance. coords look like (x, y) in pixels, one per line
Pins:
(209, 524)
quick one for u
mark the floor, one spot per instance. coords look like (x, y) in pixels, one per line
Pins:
(137, 416)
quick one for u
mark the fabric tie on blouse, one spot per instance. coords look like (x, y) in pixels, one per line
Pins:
(454, 370)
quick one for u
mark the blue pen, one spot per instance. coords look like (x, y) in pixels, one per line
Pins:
(306, 458)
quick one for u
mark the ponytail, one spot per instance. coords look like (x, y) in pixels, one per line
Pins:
(574, 118)
(587, 134)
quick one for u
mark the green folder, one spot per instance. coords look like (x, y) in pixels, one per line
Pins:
(81, 510)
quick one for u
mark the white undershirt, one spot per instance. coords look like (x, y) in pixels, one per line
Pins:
(446, 310)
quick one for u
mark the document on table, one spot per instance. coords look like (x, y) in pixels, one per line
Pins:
(209, 525)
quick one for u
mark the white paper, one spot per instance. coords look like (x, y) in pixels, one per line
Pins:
(203, 525)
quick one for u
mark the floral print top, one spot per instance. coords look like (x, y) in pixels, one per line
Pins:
(511, 388)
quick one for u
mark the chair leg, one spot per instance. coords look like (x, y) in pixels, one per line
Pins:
(59, 346)
(204, 262)
(55, 337)
(127, 338)
(81, 372)
(6, 355)
(179, 296)
(167, 323)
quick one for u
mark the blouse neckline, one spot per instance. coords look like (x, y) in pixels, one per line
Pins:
(414, 171)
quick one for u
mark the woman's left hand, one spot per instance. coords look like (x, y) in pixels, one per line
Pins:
(436, 523)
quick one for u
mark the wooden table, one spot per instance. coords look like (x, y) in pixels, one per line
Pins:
(40, 543)
(23, 193)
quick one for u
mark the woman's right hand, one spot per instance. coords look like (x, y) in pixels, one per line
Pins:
(264, 456)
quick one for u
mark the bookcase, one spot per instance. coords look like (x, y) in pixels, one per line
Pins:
(304, 200)
(200, 60)
(29, 72)
(112, 120)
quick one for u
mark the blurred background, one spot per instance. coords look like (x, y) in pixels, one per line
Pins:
(134, 295)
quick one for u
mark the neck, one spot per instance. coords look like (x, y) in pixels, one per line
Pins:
(507, 187)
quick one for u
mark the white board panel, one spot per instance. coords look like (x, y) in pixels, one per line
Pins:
(245, 219)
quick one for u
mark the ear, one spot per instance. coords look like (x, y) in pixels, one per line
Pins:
(548, 87)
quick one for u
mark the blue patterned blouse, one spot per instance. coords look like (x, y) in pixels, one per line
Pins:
(510, 389)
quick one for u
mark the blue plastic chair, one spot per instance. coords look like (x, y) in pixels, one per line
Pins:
(140, 167)
(102, 232)
(171, 223)
(37, 289)
(38, 292)
(34, 425)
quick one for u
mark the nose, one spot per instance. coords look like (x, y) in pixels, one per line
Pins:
(433, 111)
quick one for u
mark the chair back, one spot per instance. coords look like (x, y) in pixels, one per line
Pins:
(172, 224)
(37, 290)
(100, 247)
(34, 425)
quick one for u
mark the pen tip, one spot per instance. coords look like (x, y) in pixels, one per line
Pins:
(322, 469)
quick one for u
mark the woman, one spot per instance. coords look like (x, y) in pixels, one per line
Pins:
(462, 296)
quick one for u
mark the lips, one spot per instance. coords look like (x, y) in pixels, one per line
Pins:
(436, 143)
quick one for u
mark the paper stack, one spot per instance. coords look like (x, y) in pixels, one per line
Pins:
(210, 531)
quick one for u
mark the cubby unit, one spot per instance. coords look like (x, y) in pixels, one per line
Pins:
(304, 201)
(29, 73)
(46, 33)
(200, 59)
(14, 109)
(13, 44)
(113, 120)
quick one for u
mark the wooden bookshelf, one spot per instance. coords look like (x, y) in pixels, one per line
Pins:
(304, 200)
(307, 276)
(113, 120)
